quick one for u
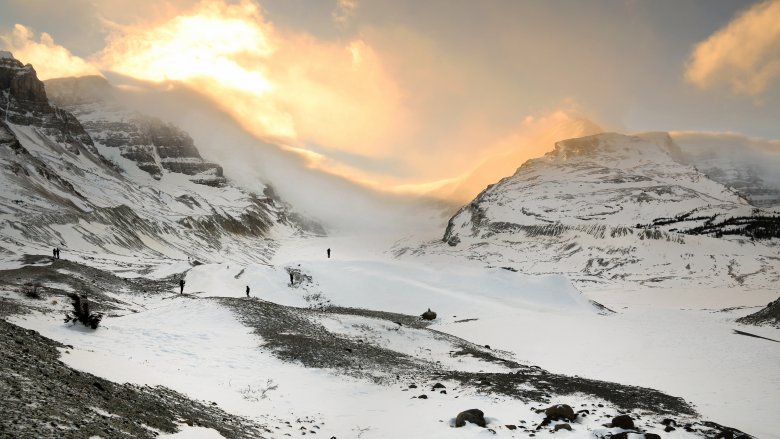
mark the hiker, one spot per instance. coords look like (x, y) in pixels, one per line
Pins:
(328, 253)
(181, 286)
(247, 291)
(58, 252)
(54, 253)
(291, 278)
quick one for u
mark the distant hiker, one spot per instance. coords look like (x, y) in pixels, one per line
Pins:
(181, 286)
(54, 253)
(58, 252)
(328, 253)
(247, 291)
(291, 278)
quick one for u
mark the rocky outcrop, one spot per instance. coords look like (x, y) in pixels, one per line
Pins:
(23, 101)
(770, 315)
(154, 145)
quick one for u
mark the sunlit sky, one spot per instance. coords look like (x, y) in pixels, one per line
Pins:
(414, 94)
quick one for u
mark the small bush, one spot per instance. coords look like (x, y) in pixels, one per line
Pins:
(81, 312)
(32, 290)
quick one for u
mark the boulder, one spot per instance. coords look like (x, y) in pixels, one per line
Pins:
(560, 411)
(562, 427)
(475, 416)
(429, 315)
(623, 421)
(652, 436)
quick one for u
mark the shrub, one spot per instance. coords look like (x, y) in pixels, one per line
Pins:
(32, 290)
(81, 312)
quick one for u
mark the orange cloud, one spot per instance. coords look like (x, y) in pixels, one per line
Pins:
(744, 55)
(278, 85)
(49, 59)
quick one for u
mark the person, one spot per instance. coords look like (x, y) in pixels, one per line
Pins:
(247, 291)
(54, 253)
(291, 278)
(181, 286)
(58, 252)
(328, 253)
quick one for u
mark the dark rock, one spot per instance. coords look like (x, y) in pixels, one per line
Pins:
(623, 421)
(511, 427)
(439, 386)
(669, 421)
(429, 315)
(423, 396)
(560, 411)
(475, 416)
(669, 429)
(652, 436)
(412, 386)
(562, 427)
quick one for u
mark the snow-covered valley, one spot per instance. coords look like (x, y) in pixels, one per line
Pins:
(602, 280)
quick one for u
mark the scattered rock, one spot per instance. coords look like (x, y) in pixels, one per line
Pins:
(429, 315)
(669, 429)
(439, 386)
(560, 411)
(511, 427)
(475, 416)
(652, 436)
(423, 396)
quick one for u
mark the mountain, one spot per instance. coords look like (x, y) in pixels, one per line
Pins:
(108, 181)
(612, 207)
(154, 145)
(518, 148)
(749, 166)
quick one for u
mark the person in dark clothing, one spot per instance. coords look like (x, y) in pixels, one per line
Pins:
(247, 291)
(181, 286)
(291, 278)
(54, 253)
(58, 252)
(328, 253)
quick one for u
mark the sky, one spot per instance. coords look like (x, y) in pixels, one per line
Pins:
(440, 96)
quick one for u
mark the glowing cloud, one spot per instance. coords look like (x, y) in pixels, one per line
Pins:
(744, 55)
(50, 60)
(291, 87)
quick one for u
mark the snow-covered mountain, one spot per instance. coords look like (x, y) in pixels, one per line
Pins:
(612, 207)
(750, 166)
(108, 181)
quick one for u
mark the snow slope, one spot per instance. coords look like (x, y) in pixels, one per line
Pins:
(618, 209)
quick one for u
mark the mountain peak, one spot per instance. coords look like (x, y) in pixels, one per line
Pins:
(617, 146)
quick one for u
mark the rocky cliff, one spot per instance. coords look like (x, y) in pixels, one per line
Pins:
(154, 145)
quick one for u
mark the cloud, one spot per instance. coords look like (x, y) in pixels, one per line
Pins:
(49, 59)
(344, 12)
(286, 86)
(744, 55)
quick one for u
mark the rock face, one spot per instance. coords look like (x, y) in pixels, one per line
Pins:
(22, 82)
(24, 102)
(475, 416)
(155, 146)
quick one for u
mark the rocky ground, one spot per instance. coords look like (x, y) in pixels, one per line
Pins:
(45, 398)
